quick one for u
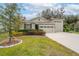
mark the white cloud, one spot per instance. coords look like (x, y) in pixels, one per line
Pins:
(40, 6)
(72, 6)
(30, 16)
(58, 6)
(43, 4)
(72, 9)
(68, 11)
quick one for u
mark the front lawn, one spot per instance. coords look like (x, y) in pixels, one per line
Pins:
(36, 46)
(3, 36)
(75, 32)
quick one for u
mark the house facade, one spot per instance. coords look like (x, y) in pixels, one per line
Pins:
(51, 25)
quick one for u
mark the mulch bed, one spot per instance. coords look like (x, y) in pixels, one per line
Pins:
(7, 43)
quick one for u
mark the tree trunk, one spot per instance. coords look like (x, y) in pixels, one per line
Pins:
(10, 30)
(10, 35)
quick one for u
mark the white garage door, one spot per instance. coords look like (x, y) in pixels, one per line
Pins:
(46, 28)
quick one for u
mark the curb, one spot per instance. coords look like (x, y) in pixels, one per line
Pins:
(11, 45)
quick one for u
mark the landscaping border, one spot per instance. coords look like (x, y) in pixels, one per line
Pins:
(11, 45)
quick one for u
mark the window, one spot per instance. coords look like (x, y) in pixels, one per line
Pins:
(46, 26)
(51, 26)
(58, 21)
(41, 26)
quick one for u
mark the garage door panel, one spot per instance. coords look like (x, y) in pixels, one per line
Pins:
(47, 28)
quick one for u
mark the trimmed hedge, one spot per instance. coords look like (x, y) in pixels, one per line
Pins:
(28, 32)
(35, 33)
(23, 30)
(32, 32)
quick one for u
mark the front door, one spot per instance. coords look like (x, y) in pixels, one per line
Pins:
(36, 26)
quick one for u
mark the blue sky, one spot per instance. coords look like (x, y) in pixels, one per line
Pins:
(32, 9)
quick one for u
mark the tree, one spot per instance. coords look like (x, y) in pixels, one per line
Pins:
(46, 13)
(70, 22)
(77, 27)
(8, 13)
(55, 13)
(18, 21)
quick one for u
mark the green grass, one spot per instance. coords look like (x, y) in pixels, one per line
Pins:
(36, 46)
(75, 32)
(3, 36)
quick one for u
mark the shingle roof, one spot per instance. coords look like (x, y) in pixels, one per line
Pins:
(41, 20)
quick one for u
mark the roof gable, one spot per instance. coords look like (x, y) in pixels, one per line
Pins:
(40, 19)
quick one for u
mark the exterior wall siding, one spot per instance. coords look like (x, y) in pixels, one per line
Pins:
(28, 26)
(58, 25)
(22, 26)
(33, 26)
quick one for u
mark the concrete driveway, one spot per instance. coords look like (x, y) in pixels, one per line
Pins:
(68, 40)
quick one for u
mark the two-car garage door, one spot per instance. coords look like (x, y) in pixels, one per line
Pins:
(47, 27)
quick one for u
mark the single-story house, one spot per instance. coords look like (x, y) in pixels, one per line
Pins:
(47, 25)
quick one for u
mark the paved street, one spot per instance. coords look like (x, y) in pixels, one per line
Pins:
(69, 40)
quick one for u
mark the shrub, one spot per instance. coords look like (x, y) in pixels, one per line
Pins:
(32, 32)
(17, 33)
(35, 32)
(23, 30)
(39, 33)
